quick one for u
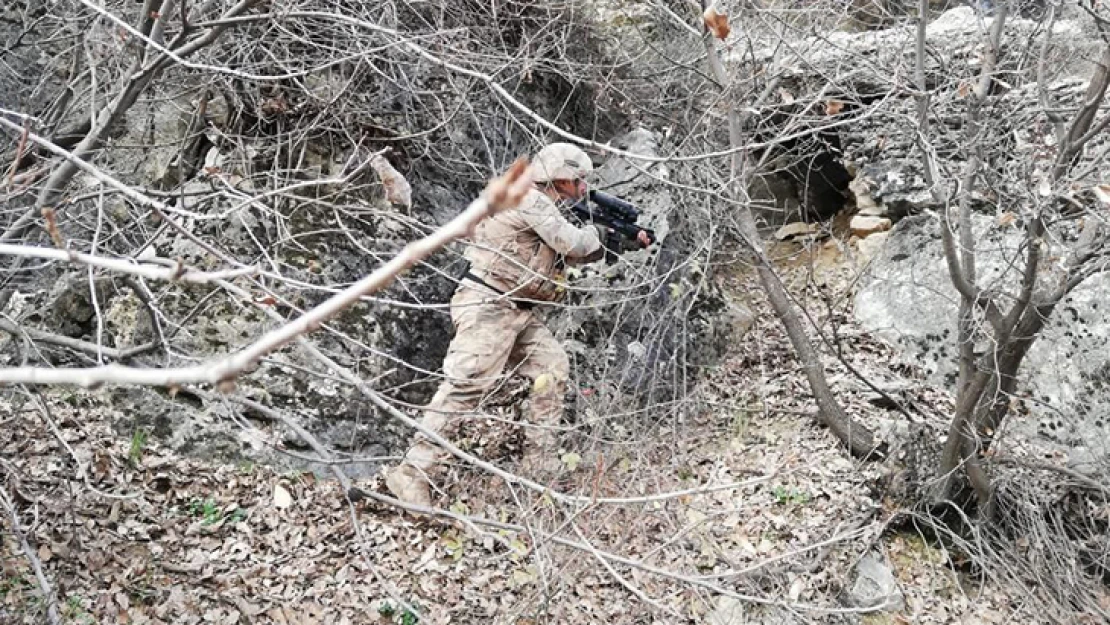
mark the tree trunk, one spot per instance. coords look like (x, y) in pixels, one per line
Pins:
(859, 439)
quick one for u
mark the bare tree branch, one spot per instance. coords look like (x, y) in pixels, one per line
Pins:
(48, 597)
(77, 344)
(175, 271)
(501, 193)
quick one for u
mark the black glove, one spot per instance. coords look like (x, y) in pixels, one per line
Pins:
(628, 244)
(602, 234)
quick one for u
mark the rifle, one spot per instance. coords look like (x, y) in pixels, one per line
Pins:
(617, 215)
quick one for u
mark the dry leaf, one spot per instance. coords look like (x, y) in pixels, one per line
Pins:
(275, 106)
(571, 460)
(796, 589)
(522, 577)
(833, 107)
(397, 190)
(282, 498)
(964, 89)
(717, 23)
(51, 220)
(1102, 192)
(1007, 219)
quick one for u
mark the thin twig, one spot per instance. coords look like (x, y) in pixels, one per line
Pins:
(48, 596)
(76, 344)
(360, 494)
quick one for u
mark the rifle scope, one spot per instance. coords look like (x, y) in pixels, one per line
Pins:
(622, 209)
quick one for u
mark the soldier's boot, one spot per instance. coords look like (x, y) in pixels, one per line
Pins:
(408, 481)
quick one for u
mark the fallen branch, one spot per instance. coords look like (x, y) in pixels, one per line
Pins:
(76, 344)
(82, 470)
(354, 495)
(628, 585)
(859, 440)
(48, 597)
(1080, 479)
(350, 377)
(357, 494)
(344, 482)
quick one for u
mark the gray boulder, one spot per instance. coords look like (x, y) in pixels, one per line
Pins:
(906, 297)
(649, 312)
(875, 585)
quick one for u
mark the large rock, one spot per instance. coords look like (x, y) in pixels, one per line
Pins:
(621, 177)
(895, 188)
(635, 321)
(955, 37)
(825, 132)
(866, 225)
(907, 298)
(869, 120)
(797, 230)
(875, 585)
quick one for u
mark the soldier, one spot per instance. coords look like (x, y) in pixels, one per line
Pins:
(515, 263)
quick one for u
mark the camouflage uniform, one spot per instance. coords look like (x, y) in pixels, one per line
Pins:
(514, 262)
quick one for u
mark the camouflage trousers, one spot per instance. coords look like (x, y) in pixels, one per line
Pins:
(493, 338)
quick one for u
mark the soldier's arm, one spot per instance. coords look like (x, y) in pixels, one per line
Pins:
(595, 255)
(575, 243)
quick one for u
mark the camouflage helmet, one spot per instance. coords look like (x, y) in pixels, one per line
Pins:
(560, 161)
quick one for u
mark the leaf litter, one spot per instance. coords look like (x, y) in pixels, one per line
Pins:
(174, 539)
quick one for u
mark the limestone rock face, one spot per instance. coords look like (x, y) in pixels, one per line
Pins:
(864, 225)
(871, 246)
(633, 319)
(906, 296)
(908, 299)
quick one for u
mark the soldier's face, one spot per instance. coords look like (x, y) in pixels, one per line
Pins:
(572, 190)
(579, 189)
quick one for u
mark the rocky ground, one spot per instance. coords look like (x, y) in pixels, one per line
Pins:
(129, 531)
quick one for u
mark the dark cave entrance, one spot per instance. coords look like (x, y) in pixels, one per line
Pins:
(802, 180)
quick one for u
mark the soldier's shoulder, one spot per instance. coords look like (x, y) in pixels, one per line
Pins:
(534, 202)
